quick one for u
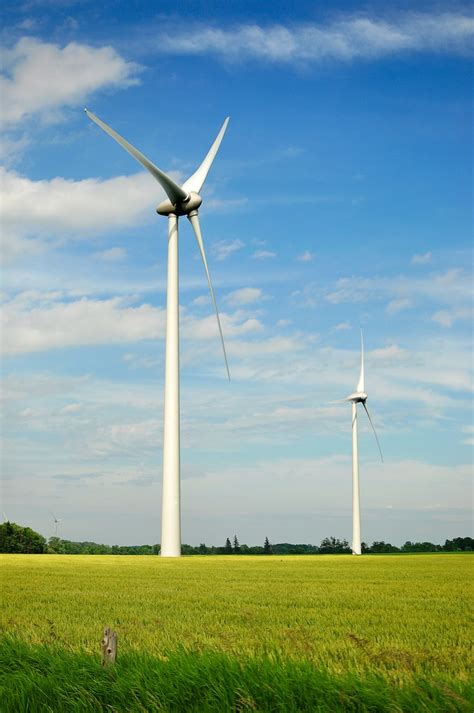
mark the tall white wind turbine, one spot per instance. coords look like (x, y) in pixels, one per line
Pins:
(359, 396)
(182, 200)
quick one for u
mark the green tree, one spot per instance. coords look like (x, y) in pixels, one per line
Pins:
(464, 544)
(228, 547)
(22, 540)
(333, 546)
(236, 546)
(383, 547)
(267, 548)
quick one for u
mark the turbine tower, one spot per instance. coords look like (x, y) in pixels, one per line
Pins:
(182, 200)
(359, 396)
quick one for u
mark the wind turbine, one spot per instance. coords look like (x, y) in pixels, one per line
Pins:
(359, 396)
(56, 523)
(182, 200)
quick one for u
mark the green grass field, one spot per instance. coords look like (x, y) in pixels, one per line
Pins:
(238, 633)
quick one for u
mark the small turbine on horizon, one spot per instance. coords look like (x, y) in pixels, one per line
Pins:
(182, 200)
(359, 396)
(56, 521)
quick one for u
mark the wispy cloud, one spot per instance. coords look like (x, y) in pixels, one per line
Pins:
(307, 256)
(113, 254)
(245, 296)
(469, 432)
(222, 249)
(353, 37)
(40, 78)
(396, 306)
(447, 317)
(422, 259)
(453, 287)
(263, 254)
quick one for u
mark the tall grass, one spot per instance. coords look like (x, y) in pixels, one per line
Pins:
(391, 623)
(45, 679)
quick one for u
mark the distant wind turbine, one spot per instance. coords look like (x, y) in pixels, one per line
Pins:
(182, 200)
(56, 523)
(359, 396)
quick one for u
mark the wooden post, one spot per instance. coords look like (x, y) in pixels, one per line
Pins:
(109, 647)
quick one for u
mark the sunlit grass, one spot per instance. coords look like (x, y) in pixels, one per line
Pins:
(390, 615)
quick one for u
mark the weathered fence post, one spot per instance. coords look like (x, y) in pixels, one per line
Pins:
(109, 647)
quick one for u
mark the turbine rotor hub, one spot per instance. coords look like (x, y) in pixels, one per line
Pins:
(191, 202)
(358, 397)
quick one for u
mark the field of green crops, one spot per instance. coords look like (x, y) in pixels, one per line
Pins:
(379, 632)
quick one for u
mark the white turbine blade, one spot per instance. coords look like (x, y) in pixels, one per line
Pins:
(194, 220)
(373, 429)
(174, 192)
(196, 181)
(361, 384)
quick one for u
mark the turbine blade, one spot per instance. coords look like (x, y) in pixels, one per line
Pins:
(196, 181)
(174, 192)
(194, 220)
(373, 429)
(361, 383)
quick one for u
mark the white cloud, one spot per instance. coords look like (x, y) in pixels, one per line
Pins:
(126, 437)
(202, 300)
(113, 254)
(389, 354)
(307, 256)
(347, 38)
(263, 254)
(32, 324)
(283, 322)
(71, 408)
(15, 247)
(398, 305)
(446, 318)
(469, 431)
(421, 259)
(223, 248)
(451, 287)
(41, 77)
(36, 213)
(11, 149)
(342, 326)
(244, 296)
(82, 322)
(206, 329)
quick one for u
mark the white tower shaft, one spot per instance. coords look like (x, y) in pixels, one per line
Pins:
(356, 544)
(171, 515)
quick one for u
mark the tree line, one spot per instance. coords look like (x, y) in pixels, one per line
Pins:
(23, 540)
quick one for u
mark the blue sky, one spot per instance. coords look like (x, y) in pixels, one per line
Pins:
(340, 198)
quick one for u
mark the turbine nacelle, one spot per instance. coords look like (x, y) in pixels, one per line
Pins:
(357, 397)
(192, 202)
